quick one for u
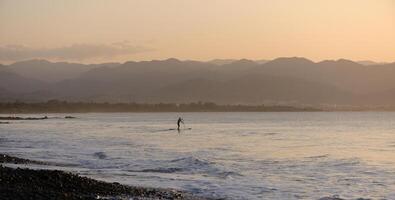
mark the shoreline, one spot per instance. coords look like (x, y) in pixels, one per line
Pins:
(25, 183)
(41, 184)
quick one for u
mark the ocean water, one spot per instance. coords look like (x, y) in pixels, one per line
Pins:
(234, 155)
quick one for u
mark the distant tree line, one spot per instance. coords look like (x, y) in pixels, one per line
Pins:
(56, 106)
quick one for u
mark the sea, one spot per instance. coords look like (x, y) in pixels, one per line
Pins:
(246, 155)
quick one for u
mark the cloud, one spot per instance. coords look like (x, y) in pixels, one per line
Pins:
(73, 52)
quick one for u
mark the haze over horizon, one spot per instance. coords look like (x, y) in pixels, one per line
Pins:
(107, 31)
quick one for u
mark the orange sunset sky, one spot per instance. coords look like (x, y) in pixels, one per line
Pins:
(120, 30)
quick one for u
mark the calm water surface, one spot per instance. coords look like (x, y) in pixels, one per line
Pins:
(234, 155)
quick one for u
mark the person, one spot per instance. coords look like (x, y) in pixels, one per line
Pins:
(180, 120)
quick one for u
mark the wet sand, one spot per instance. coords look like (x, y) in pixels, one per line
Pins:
(18, 183)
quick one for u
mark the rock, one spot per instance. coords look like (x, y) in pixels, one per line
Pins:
(69, 117)
(22, 118)
(54, 184)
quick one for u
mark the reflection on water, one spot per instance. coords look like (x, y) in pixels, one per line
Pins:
(238, 155)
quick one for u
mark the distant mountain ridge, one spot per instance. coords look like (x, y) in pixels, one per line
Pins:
(52, 71)
(369, 62)
(286, 80)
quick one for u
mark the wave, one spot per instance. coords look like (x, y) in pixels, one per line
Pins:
(345, 163)
(269, 134)
(159, 170)
(190, 165)
(4, 140)
(229, 174)
(192, 162)
(335, 197)
(318, 157)
(100, 155)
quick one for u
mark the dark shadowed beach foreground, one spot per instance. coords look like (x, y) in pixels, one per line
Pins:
(17, 183)
(24, 183)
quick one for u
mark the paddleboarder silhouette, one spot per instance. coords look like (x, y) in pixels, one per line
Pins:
(179, 121)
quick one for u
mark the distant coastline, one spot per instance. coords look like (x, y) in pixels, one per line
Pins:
(55, 106)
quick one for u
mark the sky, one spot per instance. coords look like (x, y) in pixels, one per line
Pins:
(92, 31)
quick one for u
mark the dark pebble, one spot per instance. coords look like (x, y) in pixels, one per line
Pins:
(17, 183)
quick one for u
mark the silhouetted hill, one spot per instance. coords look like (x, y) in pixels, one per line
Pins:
(229, 61)
(369, 62)
(6, 95)
(221, 61)
(345, 74)
(18, 84)
(254, 89)
(262, 61)
(235, 69)
(293, 81)
(131, 80)
(48, 71)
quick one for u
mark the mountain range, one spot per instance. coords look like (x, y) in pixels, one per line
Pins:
(287, 80)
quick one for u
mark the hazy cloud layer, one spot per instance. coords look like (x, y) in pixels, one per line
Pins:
(73, 52)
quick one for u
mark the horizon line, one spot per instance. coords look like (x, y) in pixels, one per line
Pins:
(203, 61)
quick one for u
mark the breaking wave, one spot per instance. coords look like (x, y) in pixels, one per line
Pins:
(190, 165)
(100, 155)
